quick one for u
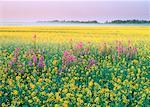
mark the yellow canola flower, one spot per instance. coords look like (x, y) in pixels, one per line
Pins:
(97, 86)
(124, 99)
(15, 92)
(65, 90)
(97, 100)
(43, 93)
(56, 69)
(102, 90)
(89, 93)
(65, 104)
(50, 94)
(118, 80)
(40, 80)
(18, 77)
(79, 100)
(32, 85)
(33, 94)
(79, 95)
(54, 62)
(91, 83)
(57, 96)
(135, 61)
(45, 68)
(10, 56)
(68, 95)
(56, 105)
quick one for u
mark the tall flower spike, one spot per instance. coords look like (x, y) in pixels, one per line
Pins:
(34, 59)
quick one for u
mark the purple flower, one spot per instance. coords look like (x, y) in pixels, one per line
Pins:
(6, 70)
(118, 50)
(135, 50)
(66, 53)
(41, 59)
(30, 63)
(91, 62)
(79, 45)
(124, 50)
(10, 63)
(68, 58)
(71, 58)
(21, 71)
(15, 59)
(34, 59)
(16, 52)
(41, 65)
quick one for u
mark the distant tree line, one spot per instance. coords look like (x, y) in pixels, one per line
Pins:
(72, 21)
(107, 22)
(129, 22)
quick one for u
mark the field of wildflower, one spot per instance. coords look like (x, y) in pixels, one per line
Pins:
(75, 66)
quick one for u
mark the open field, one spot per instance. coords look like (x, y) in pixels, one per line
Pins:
(75, 66)
(64, 34)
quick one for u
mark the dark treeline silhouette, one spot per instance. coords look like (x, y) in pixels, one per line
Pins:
(129, 22)
(96, 22)
(72, 21)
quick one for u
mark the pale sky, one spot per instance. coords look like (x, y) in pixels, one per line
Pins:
(100, 10)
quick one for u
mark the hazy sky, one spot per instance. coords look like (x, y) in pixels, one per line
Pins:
(101, 10)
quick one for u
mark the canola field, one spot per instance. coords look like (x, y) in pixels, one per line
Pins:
(105, 66)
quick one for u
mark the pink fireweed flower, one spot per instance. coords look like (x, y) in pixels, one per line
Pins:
(118, 51)
(113, 57)
(34, 59)
(71, 58)
(68, 58)
(14, 59)
(79, 45)
(91, 62)
(41, 59)
(10, 63)
(86, 50)
(41, 64)
(131, 54)
(123, 49)
(21, 71)
(16, 52)
(30, 63)
(6, 69)
(135, 50)
(66, 53)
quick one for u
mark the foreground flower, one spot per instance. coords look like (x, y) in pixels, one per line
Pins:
(79, 45)
(30, 63)
(54, 62)
(41, 63)
(34, 59)
(91, 62)
(32, 85)
(15, 92)
(68, 58)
